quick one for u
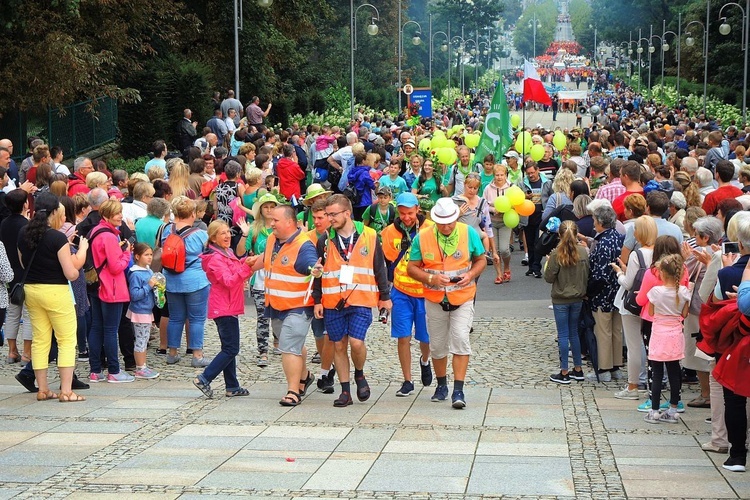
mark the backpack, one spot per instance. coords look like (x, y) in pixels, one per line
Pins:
(390, 217)
(173, 249)
(351, 192)
(629, 302)
(91, 271)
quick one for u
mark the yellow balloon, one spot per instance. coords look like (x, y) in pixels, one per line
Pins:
(502, 204)
(450, 143)
(515, 120)
(559, 141)
(447, 156)
(511, 219)
(438, 142)
(515, 195)
(537, 152)
(472, 140)
(425, 144)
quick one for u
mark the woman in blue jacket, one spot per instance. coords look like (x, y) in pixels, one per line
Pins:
(359, 178)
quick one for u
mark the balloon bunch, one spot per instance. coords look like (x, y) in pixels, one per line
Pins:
(472, 140)
(513, 205)
(441, 147)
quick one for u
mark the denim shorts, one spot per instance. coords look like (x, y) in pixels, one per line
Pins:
(352, 321)
(318, 327)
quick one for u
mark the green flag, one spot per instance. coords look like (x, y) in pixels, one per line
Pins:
(497, 133)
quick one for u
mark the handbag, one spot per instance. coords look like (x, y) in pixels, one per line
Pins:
(17, 295)
(629, 301)
(156, 265)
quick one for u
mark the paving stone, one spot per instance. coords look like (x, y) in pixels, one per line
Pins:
(521, 476)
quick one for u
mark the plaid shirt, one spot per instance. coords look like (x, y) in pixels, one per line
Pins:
(621, 152)
(610, 191)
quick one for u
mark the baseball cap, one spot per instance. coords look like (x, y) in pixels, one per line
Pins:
(410, 143)
(407, 200)
(512, 154)
(372, 137)
(384, 190)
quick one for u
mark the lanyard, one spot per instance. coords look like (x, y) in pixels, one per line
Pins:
(349, 248)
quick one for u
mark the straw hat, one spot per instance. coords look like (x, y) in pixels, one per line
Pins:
(266, 198)
(314, 190)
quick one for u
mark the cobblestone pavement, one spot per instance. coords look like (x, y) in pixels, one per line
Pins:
(520, 436)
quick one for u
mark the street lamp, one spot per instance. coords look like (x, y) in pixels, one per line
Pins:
(665, 48)
(594, 27)
(460, 56)
(372, 30)
(444, 48)
(690, 41)
(416, 40)
(725, 29)
(639, 50)
(534, 24)
(473, 52)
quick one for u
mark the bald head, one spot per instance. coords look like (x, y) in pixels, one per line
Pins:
(689, 165)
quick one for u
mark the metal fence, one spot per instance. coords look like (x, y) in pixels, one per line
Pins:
(76, 128)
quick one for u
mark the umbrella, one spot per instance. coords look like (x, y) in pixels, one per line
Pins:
(588, 339)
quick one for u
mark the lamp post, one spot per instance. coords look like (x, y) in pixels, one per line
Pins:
(443, 48)
(640, 52)
(594, 27)
(651, 50)
(725, 29)
(416, 40)
(535, 24)
(489, 49)
(661, 49)
(690, 41)
(372, 30)
(665, 48)
(460, 55)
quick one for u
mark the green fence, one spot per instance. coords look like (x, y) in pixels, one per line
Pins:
(76, 128)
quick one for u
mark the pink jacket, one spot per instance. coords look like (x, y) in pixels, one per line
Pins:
(650, 280)
(106, 249)
(227, 274)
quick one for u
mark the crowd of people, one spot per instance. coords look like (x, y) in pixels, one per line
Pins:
(639, 224)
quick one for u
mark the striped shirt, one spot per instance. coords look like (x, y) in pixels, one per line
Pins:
(610, 191)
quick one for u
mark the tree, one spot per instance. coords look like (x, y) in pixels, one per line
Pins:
(545, 14)
(580, 20)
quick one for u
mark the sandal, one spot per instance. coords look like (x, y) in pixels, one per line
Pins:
(71, 397)
(262, 360)
(306, 383)
(47, 395)
(204, 388)
(344, 399)
(291, 399)
(506, 276)
(498, 280)
(240, 391)
(363, 389)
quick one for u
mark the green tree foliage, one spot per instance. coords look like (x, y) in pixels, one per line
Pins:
(545, 13)
(580, 19)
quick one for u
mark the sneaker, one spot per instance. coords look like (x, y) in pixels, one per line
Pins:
(714, 449)
(426, 373)
(653, 417)
(537, 274)
(95, 378)
(708, 420)
(529, 273)
(146, 373)
(670, 416)
(325, 384)
(78, 384)
(603, 377)
(628, 394)
(559, 378)
(173, 360)
(407, 389)
(680, 407)
(316, 358)
(577, 375)
(441, 393)
(617, 375)
(458, 401)
(642, 388)
(120, 378)
(645, 406)
(735, 464)
(525, 260)
(161, 352)
(276, 351)
(188, 352)
(201, 362)
(83, 356)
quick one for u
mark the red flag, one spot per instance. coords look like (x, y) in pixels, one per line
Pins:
(533, 88)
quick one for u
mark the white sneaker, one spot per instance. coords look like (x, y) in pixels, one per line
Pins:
(653, 417)
(617, 375)
(120, 378)
(603, 377)
(628, 394)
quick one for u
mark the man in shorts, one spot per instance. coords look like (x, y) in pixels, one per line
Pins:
(354, 281)
(407, 293)
(288, 261)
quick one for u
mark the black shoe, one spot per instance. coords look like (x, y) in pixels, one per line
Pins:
(325, 384)
(78, 384)
(529, 273)
(576, 375)
(161, 352)
(525, 261)
(188, 351)
(735, 464)
(426, 373)
(130, 368)
(27, 382)
(537, 274)
(559, 378)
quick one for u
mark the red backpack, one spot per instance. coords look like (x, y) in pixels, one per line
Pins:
(173, 249)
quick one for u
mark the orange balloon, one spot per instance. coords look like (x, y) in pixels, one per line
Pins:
(526, 208)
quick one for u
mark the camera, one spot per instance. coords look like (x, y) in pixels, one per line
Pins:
(455, 279)
(383, 317)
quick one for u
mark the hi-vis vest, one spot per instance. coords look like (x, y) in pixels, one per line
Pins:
(285, 287)
(364, 290)
(313, 235)
(434, 261)
(392, 240)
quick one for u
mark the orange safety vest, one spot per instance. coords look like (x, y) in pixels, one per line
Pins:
(313, 235)
(363, 291)
(391, 237)
(285, 287)
(434, 261)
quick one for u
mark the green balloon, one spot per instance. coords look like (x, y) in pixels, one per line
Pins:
(537, 152)
(515, 120)
(511, 218)
(559, 141)
(502, 204)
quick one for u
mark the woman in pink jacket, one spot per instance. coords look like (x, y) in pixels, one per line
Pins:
(226, 301)
(111, 258)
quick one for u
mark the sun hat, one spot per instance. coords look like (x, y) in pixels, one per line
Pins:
(314, 190)
(266, 198)
(407, 200)
(445, 211)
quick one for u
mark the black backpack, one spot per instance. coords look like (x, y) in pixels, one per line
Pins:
(90, 271)
(351, 192)
(629, 302)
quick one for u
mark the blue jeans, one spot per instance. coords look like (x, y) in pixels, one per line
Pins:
(566, 319)
(191, 306)
(226, 360)
(105, 319)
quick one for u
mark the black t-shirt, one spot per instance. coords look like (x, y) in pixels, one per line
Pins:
(548, 167)
(46, 268)
(9, 230)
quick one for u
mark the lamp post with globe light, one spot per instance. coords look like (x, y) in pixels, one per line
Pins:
(443, 48)
(725, 29)
(416, 40)
(665, 48)
(690, 41)
(639, 50)
(372, 30)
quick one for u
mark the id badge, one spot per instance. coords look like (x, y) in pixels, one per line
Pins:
(346, 276)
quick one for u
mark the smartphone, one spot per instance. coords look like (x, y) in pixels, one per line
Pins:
(455, 279)
(730, 247)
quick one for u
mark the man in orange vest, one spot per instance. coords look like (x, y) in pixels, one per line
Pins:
(289, 260)
(322, 343)
(447, 259)
(407, 293)
(355, 280)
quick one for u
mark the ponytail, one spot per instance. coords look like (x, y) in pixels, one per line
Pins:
(567, 249)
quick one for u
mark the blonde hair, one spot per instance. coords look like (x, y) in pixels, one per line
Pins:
(155, 173)
(140, 176)
(371, 160)
(562, 182)
(183, 207)
(178, 177)
(95, 179)
(500, 166)
(252, 176)
(214, 228)
(110, 208)
(567, 249)
(671, 268)
(645, 230)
